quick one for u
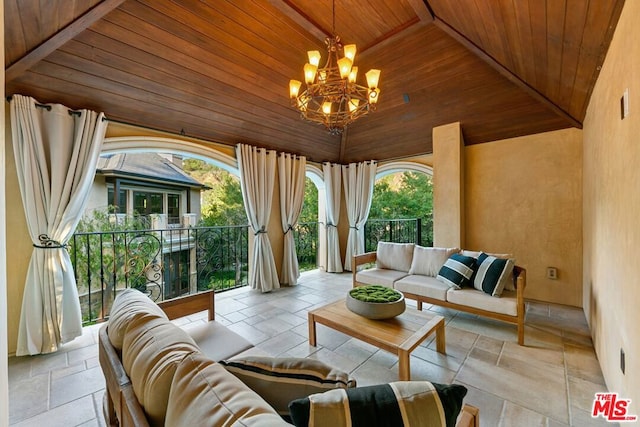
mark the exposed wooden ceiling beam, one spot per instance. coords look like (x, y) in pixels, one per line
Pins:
(506, 73)
(60, 38)
(299, 17)
(421, 9)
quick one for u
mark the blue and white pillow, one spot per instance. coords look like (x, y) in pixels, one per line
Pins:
(493, 274)
(457, 271)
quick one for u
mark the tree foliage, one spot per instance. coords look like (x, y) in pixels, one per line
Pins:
(310, 207)
(402, 195)
(222, 203)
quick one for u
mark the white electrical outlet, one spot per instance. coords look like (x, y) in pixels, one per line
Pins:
(625, 103)
(552, 273)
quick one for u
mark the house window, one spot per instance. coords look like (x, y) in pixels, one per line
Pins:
(121, 203)
(173, 208)
(147, 203)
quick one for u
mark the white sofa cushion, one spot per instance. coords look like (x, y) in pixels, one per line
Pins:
(394, 256)
(422, 285)
(428, 261)
(379, 276)
(506, 304)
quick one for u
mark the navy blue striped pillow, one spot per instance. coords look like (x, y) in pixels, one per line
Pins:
(493, 274)
(457, 271)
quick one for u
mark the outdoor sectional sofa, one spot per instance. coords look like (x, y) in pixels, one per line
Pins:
(414, 270)
(160, 374)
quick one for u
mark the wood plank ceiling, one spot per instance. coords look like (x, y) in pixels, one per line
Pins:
(219, 70)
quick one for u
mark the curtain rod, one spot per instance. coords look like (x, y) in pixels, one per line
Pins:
(48, 107)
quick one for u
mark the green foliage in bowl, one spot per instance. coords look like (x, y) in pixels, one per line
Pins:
(375, 293)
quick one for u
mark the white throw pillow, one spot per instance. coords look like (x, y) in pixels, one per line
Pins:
(428, 261)
(394, 256)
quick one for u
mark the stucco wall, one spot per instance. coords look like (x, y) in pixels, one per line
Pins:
(524, 196)
(20, 243)
(612, 209)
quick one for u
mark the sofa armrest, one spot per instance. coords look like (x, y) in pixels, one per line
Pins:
(190, 304)
(116, 378)
(469, 417)
(361, 259)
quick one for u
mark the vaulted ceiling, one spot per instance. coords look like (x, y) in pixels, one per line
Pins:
(219, 69)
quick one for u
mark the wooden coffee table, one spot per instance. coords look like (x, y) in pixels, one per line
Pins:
(400, 335)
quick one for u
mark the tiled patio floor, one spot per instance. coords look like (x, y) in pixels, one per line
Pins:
(549, 382)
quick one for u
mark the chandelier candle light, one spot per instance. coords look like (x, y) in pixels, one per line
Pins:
(332, 97)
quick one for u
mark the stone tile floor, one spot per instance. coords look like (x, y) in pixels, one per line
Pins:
(551, 381)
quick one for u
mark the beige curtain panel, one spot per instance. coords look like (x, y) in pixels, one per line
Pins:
(333, 184)
(291, 173)
(257, 178)
(56, 152)
(359, 179)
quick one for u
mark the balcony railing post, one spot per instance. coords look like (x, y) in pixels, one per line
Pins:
(419, 231)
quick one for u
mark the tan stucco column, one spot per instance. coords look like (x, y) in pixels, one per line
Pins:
(448, 186)
(4, 375)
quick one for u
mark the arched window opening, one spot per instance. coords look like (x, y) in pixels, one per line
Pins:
(143, 228)
(402, 207)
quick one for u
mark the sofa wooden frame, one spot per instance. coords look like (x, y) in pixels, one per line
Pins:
(520, 284)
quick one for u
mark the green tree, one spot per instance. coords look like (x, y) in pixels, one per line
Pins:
(222, 203)
(310, 207)
(405, 195)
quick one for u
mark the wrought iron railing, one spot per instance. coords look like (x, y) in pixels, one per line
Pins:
(162, 263)
(171, 262)
(416, 230)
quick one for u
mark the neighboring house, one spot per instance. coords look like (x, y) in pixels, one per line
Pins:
(146, 184)
(155, 186)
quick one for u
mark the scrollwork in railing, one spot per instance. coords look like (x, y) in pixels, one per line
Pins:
(221, 256)
(144, 268)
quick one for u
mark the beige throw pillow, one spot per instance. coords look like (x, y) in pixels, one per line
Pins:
(428, 261)
(203, 393)
(394, 256)
(130, 306)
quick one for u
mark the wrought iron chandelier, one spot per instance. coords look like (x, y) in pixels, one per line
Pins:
(332, 97)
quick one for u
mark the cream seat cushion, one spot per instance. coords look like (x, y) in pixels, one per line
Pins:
(425, 286)
(380, 276)
(209, 335)
(203, 393)
(506, 304)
